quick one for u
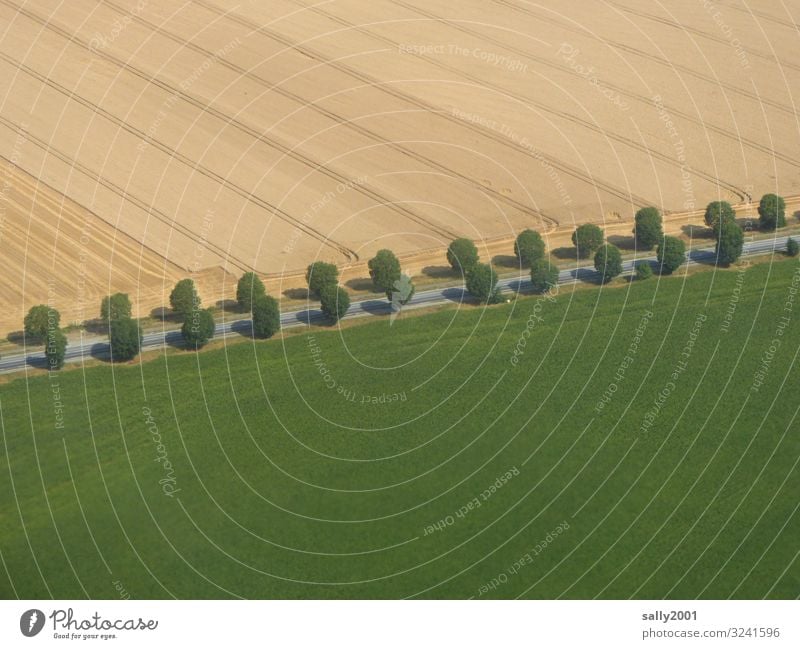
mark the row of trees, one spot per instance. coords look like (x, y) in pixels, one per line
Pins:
(42, 322)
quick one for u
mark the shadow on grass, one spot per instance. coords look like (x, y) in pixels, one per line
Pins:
(507, 261)
(697, 231)
(565, 253)
(17, 338)
(440, 272)
(228, 306)
(297, 294)
(360, 284)
(623, 243)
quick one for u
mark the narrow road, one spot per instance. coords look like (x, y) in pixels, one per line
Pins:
(96, 347)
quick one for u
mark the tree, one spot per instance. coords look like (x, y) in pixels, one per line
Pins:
(248, 289)
(608, 262)
(544, 275)
(718, 211)
(772, 212)
(334, 301)
(587, 238)
(528, 247)
(320, 274)
(462, 255)
(671, 253)
(266, 316)
(384, 269)
(55, 349)
(184, 298)
(647, 229)
(40, 320)
(730, 241)
(792, 247)
(125, 338)
(644, 270)
(482, 282)
(116, 306)
(198, 328)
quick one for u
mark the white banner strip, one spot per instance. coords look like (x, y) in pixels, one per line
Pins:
(403, 624)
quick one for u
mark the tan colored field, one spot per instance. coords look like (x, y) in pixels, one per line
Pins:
(210, 137)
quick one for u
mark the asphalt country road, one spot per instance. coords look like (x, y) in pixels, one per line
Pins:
(97, 348)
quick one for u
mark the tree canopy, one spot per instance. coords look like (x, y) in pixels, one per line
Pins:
(384, 269)
(482, 282)
(334, 301)
(671, 253)
(608, 262)
(198, 328)
(772, 212)
(116, 306)
(184, 298)
(462, 255)
(528, 247)
(648, 228)
(266, 316)
(587, 238)
(320, 274)
(248, 289)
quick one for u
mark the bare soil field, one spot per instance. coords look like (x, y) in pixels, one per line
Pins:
(207, 137)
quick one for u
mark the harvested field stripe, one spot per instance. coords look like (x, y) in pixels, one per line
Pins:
(285, 216)
(375, 83)
(584, 123)
(673, 110)
(655, 59)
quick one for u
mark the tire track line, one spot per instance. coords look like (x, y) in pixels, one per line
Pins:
(249, 196)
(119, 191)
(651, 57)
(618, 89)
(547, 109)
(285, 149)
(421, 104)
(699, 32)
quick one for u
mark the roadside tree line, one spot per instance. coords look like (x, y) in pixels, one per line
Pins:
(42, 322)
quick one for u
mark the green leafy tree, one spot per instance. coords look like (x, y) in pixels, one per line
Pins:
(334, 301)
(198, 328)
(772, 212)
(266, 316)
(587, 238)
(248, 289)
(528, 247)
(792, 247)
(184, 298)
(648, 228)
(116, 306)
(41, 319)
(462, 255)
(671, 253)
(644, 270)
(608, 262)
(384, 269)
(55, 349)
(125, 338)
(544, 275)
(482, 282)
(718, 211)
(730, 242)
(320, 274)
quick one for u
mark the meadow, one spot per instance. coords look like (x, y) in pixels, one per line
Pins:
(631, 441)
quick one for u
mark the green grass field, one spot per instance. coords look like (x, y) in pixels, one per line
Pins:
(416, 459)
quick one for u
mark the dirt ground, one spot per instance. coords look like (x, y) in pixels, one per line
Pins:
(206, 138)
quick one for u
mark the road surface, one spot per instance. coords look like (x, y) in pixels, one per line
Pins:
(94, 347)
